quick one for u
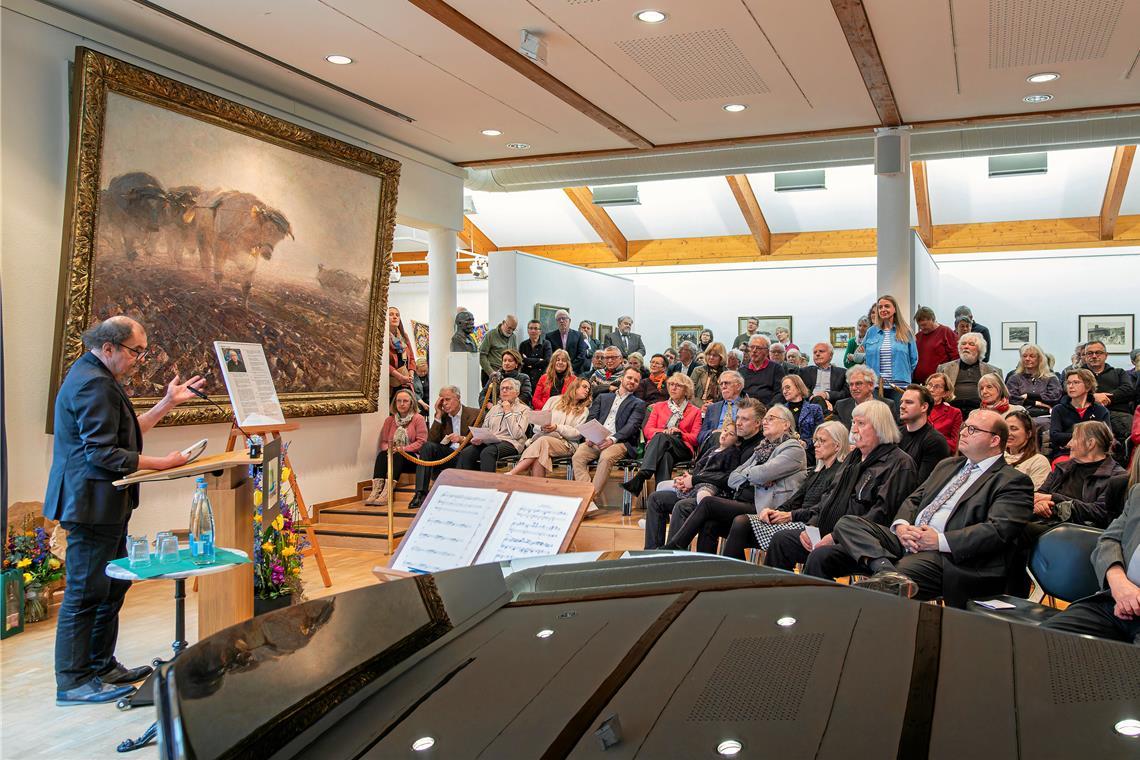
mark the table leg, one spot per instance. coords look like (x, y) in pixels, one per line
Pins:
(179, 616)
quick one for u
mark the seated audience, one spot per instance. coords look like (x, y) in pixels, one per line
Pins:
(670, 433)
(1114, 612)
(862, 382)
(808, 416)
(783, 336)
(952, 536)
(993, 395)
(1032, 384)
(826, 383)
(965, 373)
(704, 340)
(597, 361)
(535, 352)
(890, 347)
(937, 344)
(962, 326)
(572, 342)
(561, 436)
(555, 380)
(775, 471)
(875, 478)
(1075, 490)
(1134, 373)
(507, 421)
(1115, 390)
(678, 500)
(796, 360)
(925, 445)
(745, 337)
(448, 432)
(652, 389)
(670, 356)
(762, 375)
(963, 312)
(637, 361)
(735, 359)
(1136, 433)
(1078, 358)
(606, 379)
(1021, 448)
(404, 430)
(495, 342)
(686, 359)
(756, 531)
(420, 384)
(731, 385)
(1077, 405)
(707, 376)
(510, 368)
(779, 354)
(945, 418)
(856, 353)
(625, 339)
(622, 414)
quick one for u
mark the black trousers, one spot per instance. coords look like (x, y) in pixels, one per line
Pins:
(88, 624)
(710, 520)
(741, 537)
(431, 451)
(785, 551)
(484, 456)
(661, 453)
(1093, 616)
(399, 464)
(658, 507)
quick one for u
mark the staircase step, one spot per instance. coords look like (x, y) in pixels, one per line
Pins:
(359, 514)
(359, 536)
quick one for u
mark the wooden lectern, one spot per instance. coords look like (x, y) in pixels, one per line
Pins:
(223, 598)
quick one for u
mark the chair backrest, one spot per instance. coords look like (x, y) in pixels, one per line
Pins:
(1060, 562)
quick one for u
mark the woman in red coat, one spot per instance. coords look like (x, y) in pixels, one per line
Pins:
(944, 418)
(555, 381)
(670, 433)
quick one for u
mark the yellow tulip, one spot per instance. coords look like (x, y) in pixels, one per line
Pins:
(267, 547)
(53, 563)
(257, 498)
(27, 577)
(278, 522)
(23, 563)
(285, 473)
(288, 551)
(257, 517)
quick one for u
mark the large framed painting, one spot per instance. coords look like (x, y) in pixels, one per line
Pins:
(1014, 335)
(545, 315)
(678, 334)
(1116, 331)
(603, 331)
(208, 220)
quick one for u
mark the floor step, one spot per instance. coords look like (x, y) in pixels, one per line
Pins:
(359, 514)
(358, 535)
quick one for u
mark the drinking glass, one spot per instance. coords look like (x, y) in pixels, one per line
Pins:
(138, 551)
(167, 549)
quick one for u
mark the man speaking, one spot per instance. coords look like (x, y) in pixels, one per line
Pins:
(98, 439)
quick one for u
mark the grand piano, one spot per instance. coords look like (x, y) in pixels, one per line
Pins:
(646, 655)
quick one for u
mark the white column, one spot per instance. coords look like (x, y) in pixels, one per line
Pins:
(895, 261)
(441, 304)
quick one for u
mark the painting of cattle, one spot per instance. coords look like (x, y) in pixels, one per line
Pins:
(207, 220)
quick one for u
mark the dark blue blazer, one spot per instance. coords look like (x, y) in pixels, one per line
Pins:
(711, 421)
(630, 417)
(575, 346)
(97, 440)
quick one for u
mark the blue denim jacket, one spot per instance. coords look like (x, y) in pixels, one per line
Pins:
(904, 357)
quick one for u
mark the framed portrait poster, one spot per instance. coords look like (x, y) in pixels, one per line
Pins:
(1014, 335)
(1116, 331)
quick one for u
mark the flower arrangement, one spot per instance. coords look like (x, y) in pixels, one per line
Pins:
(277, 547)
(29, 549)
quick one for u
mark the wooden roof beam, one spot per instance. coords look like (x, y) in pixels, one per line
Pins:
(597, 217)
(857, 28)
(750, 208)
(474, 238)
(922, 203)
(1114, 192)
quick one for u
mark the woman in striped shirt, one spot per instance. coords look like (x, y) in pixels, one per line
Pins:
(890, 347)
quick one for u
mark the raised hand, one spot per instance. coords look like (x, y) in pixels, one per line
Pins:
(178, 393)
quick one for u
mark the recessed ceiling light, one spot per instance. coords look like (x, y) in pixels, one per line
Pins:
(1038, 97)
(786, 621)
(1043, 77)
(729, 748)
(545, 633)
(735, 107)
(1128, 727)
(519, 146)
(423, 743)
(492, 132)
(651, 16)
(339, 60)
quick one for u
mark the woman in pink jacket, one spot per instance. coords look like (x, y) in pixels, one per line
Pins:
(670, 433)
(403, 430)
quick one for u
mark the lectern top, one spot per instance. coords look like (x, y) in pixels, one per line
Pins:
(223, 461)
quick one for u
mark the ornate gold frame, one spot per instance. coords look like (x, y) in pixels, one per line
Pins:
(96, 75)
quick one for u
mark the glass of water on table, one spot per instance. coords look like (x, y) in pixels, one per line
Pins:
(166, 547)
(138, 551)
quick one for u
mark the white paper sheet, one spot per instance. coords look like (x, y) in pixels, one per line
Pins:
(540, 418)
(1133, 571)
(813, 534)
(531, 525)
(249, 382)
(593, 431)
(450, 530)
(995, 604)
(483, 435)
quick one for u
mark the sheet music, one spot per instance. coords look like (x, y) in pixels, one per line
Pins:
(483, 435)
(249, 382)
(593, 431)
(450, 530)
(531, 525)
(540, 418)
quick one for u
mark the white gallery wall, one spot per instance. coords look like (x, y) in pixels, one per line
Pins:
(330, 453)
(410, 296)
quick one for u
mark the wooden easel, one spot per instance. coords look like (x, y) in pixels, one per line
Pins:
(275, 431)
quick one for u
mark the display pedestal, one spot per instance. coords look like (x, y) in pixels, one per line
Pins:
(463, 372)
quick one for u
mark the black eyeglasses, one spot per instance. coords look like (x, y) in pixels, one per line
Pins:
(971, 429)
(140, 353)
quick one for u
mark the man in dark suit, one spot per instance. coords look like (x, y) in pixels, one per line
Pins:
(862, 382)
(98, 439)
(571, 341)
(453, 420)
(1114, 612)
(952, 536)
(592, 344)
(622, 414)
(686, 359)
(629, 342)
(826, 383)
(731, 385)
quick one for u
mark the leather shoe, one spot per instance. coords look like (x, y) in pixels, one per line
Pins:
(417, 500)
(93, 692)
(120, 674)
(890, 582)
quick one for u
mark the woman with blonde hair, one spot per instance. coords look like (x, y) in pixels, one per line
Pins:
(670, 432)
(706, 376)
(561, 436)
(890, 347)
(507, 422)
(403, 430)
(556, 380)
(1033, 384)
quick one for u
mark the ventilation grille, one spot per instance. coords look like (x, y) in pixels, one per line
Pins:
(759, 678)
(582, 2)
(1039, 32)
(1084, 671)
(696, 65)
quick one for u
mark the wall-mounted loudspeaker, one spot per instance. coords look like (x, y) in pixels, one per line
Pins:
(888, 154)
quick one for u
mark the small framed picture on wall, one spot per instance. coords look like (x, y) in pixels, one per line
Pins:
(680, 333)
(1116, 331)
(841, 335)
(1014, 335)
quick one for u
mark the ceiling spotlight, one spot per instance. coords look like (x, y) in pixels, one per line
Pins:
(394, 273)
(729, 748)
(650, 16)
(735, 107)
(1038, 97)
(545, 633)
(786, 621)
(339, 60)
(519, 146)
(491, 132)
(1128, 727)
(423, 743)
(1043, 77)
